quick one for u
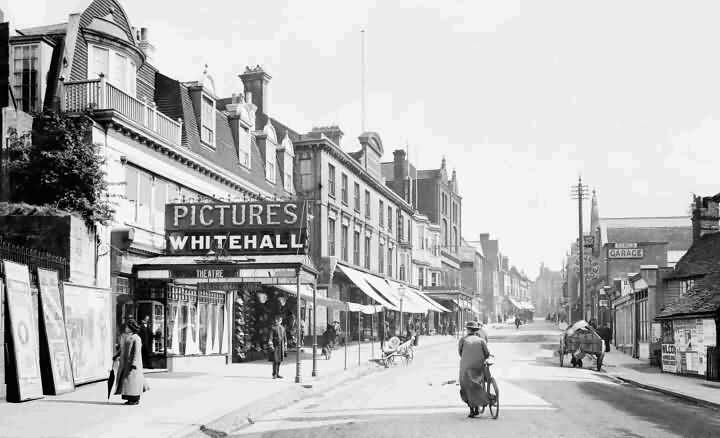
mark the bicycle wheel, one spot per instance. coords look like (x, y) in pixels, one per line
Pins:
(494, 398)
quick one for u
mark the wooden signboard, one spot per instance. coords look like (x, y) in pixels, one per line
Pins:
(23, 332)
(55, 337)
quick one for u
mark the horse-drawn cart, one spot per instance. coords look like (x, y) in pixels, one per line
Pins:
(581, 340)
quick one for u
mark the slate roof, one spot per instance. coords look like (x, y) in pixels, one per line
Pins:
(703, 298)
(173, 99)
(702, 258)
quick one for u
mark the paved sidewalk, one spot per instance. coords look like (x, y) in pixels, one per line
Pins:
(178, 403)
(642, 374)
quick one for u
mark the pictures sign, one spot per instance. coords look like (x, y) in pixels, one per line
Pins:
(23, 331)
(55, 335)
(236, 228)
(88, 322)
(669, 358)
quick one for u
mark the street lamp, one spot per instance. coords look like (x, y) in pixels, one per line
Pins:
(401, 292)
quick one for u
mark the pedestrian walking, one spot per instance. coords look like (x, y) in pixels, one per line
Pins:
(473, 353)
(277, 344)
(517, 323)
(605, 333)
(130, 380)
(146, 336)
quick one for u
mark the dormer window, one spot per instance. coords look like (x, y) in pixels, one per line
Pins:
(208, 121)
(270, 153)
(288, 164)
(119, 70)
(244, 144)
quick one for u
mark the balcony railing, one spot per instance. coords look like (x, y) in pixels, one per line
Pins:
(98, 94)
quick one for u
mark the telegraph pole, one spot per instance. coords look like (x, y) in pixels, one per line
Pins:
(580, 192)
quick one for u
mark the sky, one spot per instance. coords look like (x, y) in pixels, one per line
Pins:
(521, 97)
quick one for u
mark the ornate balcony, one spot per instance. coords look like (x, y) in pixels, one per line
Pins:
(100, 97)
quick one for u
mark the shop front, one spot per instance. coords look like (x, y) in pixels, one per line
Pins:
(459, 310)
(230, 269)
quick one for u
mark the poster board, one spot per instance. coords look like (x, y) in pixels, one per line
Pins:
(669, 358)
(23, 331)
(88, 322)
(709, 333)
(55, 336)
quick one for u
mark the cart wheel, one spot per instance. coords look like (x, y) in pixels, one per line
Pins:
(562, 356)
(579, 363)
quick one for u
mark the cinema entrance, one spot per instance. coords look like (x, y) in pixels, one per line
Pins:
(207, 312)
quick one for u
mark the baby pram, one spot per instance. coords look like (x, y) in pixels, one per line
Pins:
(395, 351)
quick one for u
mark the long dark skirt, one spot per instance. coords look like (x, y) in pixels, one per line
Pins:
(131, 398)
(472, 390)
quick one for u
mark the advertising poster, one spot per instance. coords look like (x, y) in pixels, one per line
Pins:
(709, 333)
(669, 358)
(88, 321)
(55, 335)
(23, 331)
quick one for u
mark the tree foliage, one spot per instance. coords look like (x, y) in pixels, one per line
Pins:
(58, 166)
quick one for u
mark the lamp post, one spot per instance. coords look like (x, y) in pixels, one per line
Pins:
(401, 292)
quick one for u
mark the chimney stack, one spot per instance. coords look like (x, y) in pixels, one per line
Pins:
(332, 132)
(143, 41)
(256, 82)
(400, 166)
(705, 216)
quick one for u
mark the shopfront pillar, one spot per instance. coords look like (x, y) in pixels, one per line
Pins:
(298, 329)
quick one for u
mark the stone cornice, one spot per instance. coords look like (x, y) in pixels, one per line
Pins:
(347, 160)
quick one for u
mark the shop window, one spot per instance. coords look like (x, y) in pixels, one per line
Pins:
(25, 77)
(159, 200)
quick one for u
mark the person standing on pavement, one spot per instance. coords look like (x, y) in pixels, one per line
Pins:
(130, 381)
(278, 344)
(473, 352)
(606, 334)
(146, 336)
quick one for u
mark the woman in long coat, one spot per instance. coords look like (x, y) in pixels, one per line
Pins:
(130, 381)
(473, 353)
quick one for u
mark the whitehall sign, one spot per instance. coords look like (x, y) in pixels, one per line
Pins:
(626, 253)
(236, 228)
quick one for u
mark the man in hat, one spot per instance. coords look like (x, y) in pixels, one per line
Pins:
(473, 352)
(278, 345)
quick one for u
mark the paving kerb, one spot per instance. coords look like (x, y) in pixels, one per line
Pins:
(238, 418)
(686, 397)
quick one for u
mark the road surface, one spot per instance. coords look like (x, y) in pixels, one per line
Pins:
(538, 399)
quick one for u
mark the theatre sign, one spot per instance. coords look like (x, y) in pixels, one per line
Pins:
(236, 228)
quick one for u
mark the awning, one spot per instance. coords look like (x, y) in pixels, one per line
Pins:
(521, 305)
(366, 309)
(359, 279)
(306, 292)
(436, 307)
(412, 303)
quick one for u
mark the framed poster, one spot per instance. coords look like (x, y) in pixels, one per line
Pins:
(88, 322)
(669, 358)
(55, 334)
(23, 331)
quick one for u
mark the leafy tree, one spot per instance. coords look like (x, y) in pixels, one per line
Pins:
(60, 167)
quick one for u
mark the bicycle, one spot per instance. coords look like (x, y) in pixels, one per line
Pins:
(492, 390)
